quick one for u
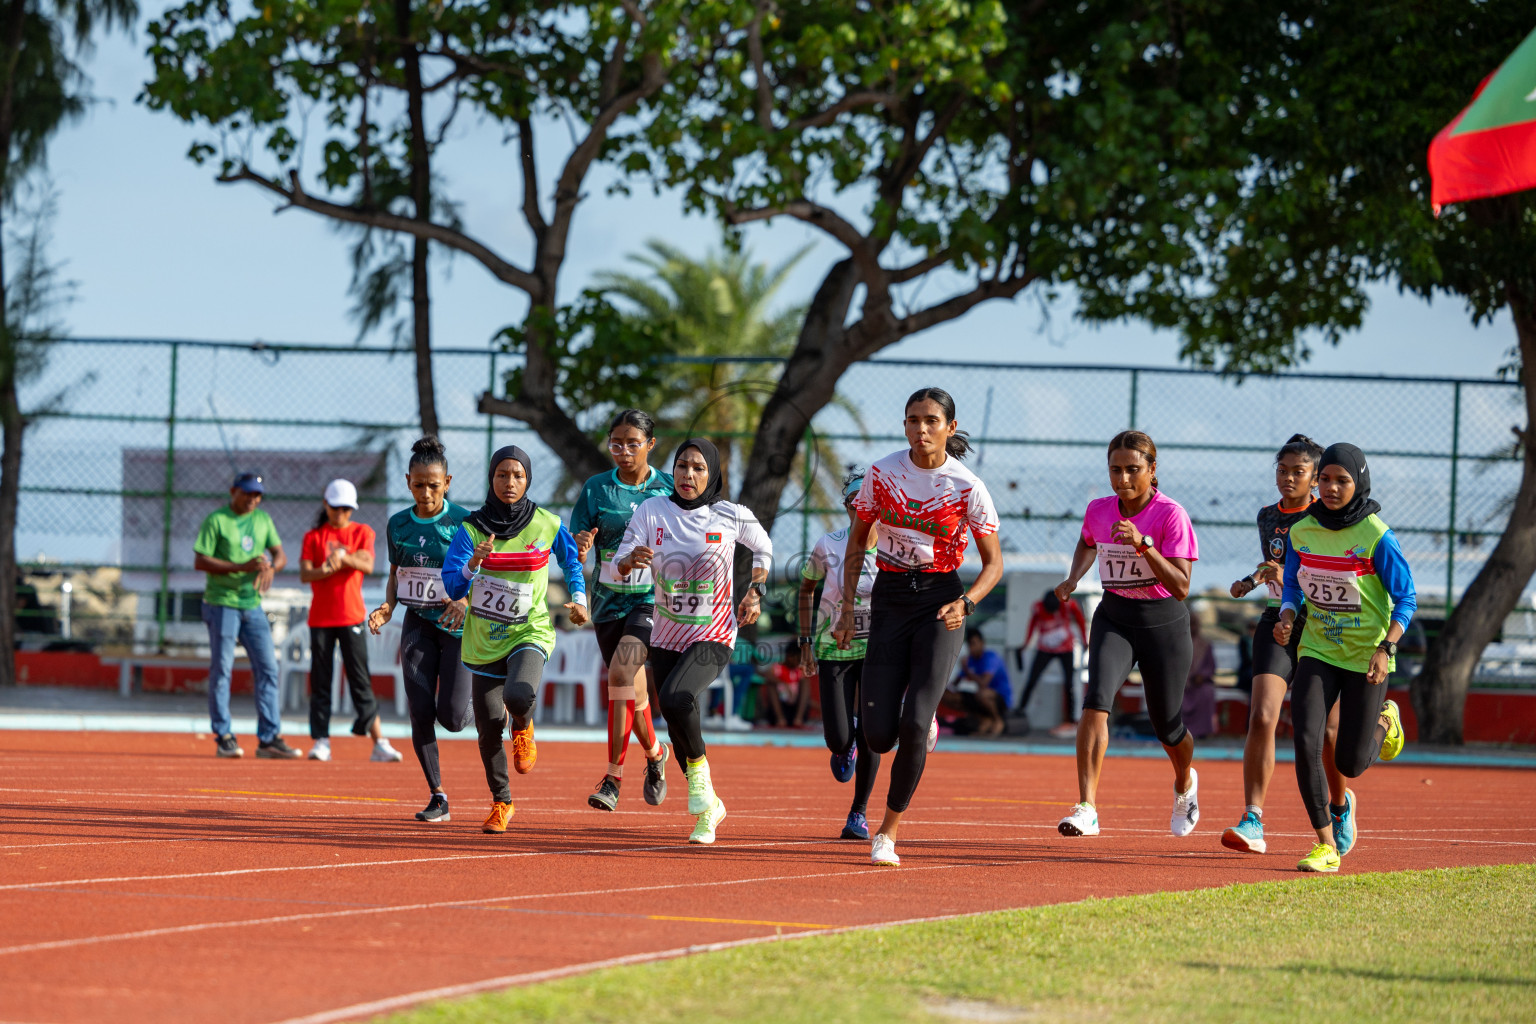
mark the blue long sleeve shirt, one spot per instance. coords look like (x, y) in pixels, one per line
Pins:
(458, 578)
(1391, 568)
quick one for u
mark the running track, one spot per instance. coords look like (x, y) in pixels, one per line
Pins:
(143, 880)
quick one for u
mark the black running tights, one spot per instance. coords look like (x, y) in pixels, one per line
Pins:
(1316, 686)
(682, 677)
(840, 724)
(502, 688)
(438, 689)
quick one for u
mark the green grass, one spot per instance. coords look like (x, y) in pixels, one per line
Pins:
(1447, 945)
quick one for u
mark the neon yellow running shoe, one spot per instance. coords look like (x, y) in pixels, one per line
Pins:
(1323, 858)
(1392, 745)
(704, 828)
(701, 792)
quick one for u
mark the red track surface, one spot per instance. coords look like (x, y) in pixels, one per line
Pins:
(143, 880)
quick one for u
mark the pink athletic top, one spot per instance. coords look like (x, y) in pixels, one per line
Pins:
(1121, 570)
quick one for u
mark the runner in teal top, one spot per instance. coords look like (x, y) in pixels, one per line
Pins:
(622, 605)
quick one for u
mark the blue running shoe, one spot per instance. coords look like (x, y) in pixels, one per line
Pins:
(1247, 836)
(842, 764)
(857, 827)
(1344, 825)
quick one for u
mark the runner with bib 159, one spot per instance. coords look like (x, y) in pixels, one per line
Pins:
(1145, 547)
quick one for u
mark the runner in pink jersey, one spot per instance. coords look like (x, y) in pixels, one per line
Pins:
(1145, 548)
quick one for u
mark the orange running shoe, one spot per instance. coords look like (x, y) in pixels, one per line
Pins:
(525, 752)
(501, 813)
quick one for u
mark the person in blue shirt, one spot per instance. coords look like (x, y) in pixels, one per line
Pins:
(983, 687)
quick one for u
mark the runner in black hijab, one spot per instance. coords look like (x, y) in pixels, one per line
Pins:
(496, 517)
(711, 492)
(1352, 460)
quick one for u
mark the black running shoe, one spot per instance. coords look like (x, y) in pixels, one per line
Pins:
(656, 778)
(277, 748)
(606, 796)
(229, 747)
(436, 810)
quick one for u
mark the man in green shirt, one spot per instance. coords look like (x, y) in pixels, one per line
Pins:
(238, 547)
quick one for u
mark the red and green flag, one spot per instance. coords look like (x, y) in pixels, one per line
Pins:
(1490, 148)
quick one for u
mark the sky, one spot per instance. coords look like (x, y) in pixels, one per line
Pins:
(156, 248)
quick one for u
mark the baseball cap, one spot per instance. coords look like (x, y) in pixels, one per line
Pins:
(341, 494)
(249, 483)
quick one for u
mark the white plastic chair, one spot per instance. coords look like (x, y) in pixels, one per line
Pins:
(577, 662)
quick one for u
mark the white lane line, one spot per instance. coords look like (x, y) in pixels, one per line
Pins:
(148, 933)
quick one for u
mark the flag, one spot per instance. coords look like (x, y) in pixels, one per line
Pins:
(1490, 147)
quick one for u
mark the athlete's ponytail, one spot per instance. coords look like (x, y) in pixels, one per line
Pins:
(428, 451)
(1136, 441)
(1304, 446)
(958, 444)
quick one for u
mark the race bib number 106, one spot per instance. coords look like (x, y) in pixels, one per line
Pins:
(416, 587)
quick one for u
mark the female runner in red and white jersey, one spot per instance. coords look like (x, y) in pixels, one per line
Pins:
(927, 505)
(689, 539)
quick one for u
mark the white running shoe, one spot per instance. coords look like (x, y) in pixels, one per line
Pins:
(933, 734)
(701, 791)
(704, 827)
(382, 751)
(883, 851)
(1083, 821)
(321, 751)
(1186, 808)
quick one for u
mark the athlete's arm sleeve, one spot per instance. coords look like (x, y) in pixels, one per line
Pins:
(815, 567)
(751, 535)
(980, 511)
(1290, 594)
(460, 549)
(564, 549)
(634, 535)
(391, 549)
(1395, 574)
(865, 505)
(581, 512)
(1178, 539)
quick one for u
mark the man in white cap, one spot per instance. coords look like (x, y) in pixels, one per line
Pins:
(237, 546)
(337, 554)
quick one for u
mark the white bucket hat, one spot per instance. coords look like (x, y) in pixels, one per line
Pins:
(341, 494)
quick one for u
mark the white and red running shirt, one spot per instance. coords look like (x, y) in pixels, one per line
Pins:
(925, 515)
(692, 565)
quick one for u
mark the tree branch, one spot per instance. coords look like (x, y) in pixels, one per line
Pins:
(959, 305)
(760, 67)
(901, 275)
(852, 101)
(294, 195)
(531, 211)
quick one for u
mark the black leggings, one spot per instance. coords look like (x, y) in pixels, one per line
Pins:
(1316, 686)
(437, 686)
(681, 678)
(840, 724)
(911, 658)
(353, 641)
(1037, 668)
(1152, 635)
(501, 688)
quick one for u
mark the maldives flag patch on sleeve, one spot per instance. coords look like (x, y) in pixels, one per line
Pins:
(712, 538)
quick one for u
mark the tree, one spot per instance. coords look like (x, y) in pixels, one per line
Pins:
(378, 73)
(41, 87)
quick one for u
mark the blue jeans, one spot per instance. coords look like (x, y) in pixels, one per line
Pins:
(248, 627)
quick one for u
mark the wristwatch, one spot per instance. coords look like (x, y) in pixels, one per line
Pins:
(1145, 545)
(805, 641)
(1389, 647)
(760, 587)
(970, 606)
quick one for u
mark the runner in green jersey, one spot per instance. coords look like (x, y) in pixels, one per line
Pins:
(437, 685)
(622, 605)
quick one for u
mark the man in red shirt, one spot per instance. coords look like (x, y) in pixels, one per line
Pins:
(337, 554)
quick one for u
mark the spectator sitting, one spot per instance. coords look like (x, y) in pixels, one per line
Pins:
(787, 690)
(1200, 687)
(982, 688)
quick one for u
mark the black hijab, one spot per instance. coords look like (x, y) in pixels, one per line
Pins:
(496, 517)
(711, 492)
(1352, 461)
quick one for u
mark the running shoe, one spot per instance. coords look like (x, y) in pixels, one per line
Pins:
(1344, 825)
(275, 747)
(437, 810)
(856, 828)
(383, 752)
(1323, 858)
(656, 778)
(1186, 808)
(606, 796)
(525, 752)
(704, 829)
(701, 792)
(501, 813)
(320, 750)
(842, 764)
(229, 747)
(1083, 821)
(1392, 745)
(883, 851)
(933, 734)
(1247, 836)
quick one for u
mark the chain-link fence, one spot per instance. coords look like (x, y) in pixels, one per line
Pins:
(103, 505)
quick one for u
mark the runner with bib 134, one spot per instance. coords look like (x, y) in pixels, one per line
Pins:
(1145, 546)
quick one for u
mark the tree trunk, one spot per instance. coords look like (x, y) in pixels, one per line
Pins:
(1440, 691)
(421, 196)
(10, 491)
